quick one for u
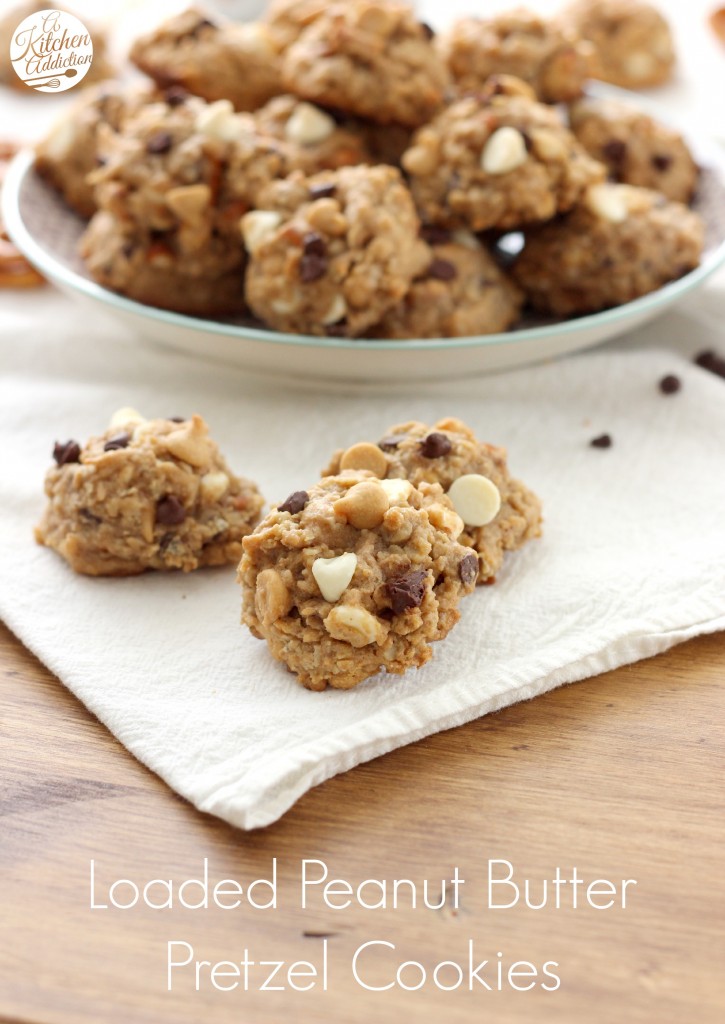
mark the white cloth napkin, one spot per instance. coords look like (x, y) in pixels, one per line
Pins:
(632, 559)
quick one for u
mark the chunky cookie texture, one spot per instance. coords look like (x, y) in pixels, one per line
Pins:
(146, 494)
(633, 40)
(236, 62)
(287, 19)
(461, 292)
(332, 253)
(369, 58)
(550, 56)
(636, 149)
(173, 184)
(620, 243)
(315, 140)
(497, 161)
(355, 576)
(499, 513)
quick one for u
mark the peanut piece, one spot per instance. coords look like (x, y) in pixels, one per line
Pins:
(190, 442)
(214, 486)
(272, 600)
(355, 626)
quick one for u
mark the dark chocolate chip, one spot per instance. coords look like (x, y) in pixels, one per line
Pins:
(200, 26)
(528, 141)
(177, 419)
(322, 191)
(670, 384)
(603, 441)
(160, 142)
(312, 267)
(170, 511)
(442, 270)
(434, 235)
(391, 442)
(119, 440)
(175, 95)
(85, 513)
(614, 151)
(314, 244)
(428, 32)
(407, 591)
(710, 360)
(66, 453)
(468, 569)
(661, 162)
(435, 446)
(295, 503)
(337, 330)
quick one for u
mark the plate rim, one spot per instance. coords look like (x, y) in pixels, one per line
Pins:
(23, 164)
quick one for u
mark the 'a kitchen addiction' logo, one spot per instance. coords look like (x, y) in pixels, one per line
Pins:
(51, 51)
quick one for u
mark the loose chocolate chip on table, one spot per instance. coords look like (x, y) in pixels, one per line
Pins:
(391, 442)
(670, 384)
(322, 191)
(295, 503)
(710, 360)
(407, 591)
(312, 267)
(314, 244)
(160, 142)
(170, 511)
(468, 569)
(435, 446)
(66, 453)
(442, 270)
(120, 440)
(661, 162)
(603, 441)
(177, 419)
(434, 235)
(615, 151)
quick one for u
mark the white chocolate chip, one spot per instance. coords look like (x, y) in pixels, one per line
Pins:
(504, 151)
(398, 491)
(336, 312)
(126, 417)
(309, 125)
(475, 498)
(218, 121)
(334, 574)
(608, 202)
(214, 486)
(258, 226)
(353, 625)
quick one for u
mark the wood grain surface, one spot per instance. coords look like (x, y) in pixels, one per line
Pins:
(620, 776)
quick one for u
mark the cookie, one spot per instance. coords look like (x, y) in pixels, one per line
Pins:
(332, 253)
(371, 59)
(500, 514)
(354, 577)
(174, 183)
(636, 149)
(236, 62)
(460, 293)
(287, 19)
(632, 39)
(146, 494)
(496, 161)
(316, 141)
(620, 243)
(15, 271)
(551, 56)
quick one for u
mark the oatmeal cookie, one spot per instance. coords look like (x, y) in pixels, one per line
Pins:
(174, 182)
(332, 253)
(499, 513)
(496, 161)
(236, 62)
(316, 141)
(636, 149)
(368, 58)
(548, 54)
(621, 242)
(287, 19)
(69, 152)
(146, 494)
(633, 40)
(355, 576)
(461, 292)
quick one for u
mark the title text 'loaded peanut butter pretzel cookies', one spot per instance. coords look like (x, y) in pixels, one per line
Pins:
(355, 576)
(620, 243)
(146, 494)
(499, 513)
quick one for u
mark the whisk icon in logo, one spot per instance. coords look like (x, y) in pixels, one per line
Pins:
(51, 51)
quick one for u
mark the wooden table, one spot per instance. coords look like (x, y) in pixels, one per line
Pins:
(620, 776)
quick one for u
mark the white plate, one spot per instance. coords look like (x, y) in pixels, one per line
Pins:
(47, 232)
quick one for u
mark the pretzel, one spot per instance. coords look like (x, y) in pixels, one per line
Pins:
(15, 271)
